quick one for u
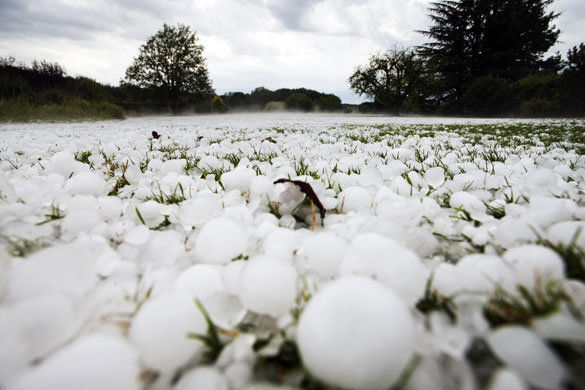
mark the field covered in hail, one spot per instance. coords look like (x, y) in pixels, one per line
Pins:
(450, 255)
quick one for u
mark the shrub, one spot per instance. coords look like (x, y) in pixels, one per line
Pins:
(274, 106)
(217, 105)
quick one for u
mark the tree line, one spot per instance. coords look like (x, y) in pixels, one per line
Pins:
(483, 58)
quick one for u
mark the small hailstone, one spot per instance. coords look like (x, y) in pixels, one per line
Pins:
(483, 273)
(220, 240)
(269, 286)
(198, 210)
(534, 262)
(151, 213)
(406, 212)
(202, 378)
(355, 198)
(79, 221)
(506, 379)
(86, 183)
(528, 355)
(435, 177)
(199, 281)
(560, 326)
(564, 232)
(238, 179)
(356, 333)
(172, 166)
(93, 362)
(376, 256)
(260, 187)
(138, 235)
(163, 248)
(370, 176)
(323, 253)
(160, 328)
(63, 163)
(540, 181)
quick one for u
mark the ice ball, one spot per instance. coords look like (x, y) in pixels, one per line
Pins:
(97, 361)
(220, 240)
(269, 286)
(159, 331)
(525, 353)
(356, 333)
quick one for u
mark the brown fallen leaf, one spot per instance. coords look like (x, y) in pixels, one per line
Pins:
(307, 190)
(155, 135)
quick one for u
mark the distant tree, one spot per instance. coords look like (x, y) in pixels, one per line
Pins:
(171, 62)
(475, 38)
(576, 59)
(299, 101)
(573, 82)
(329, 103)
(217, 105)
(389, 78)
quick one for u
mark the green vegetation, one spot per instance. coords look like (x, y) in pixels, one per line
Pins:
(484, 58)
(217, 105)
(171, 63)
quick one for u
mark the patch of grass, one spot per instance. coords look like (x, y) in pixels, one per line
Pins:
(434, 301)
(211, 339)
(545, 298)
(54, 215)
(572, 254)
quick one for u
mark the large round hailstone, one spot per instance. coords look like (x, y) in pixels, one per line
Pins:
(435, 177)
(355, 198)
(564, 232)
(370, 176)
(86, 183)
(381, 258)
(238, 179)
(199, 281)
(269, 286)
(535, 262)
(513, 231)
(198, 210)
(202, 378)
(70, 269)
(407, 212)
(505, 379)
(526, 353)
(159, 331)
(541, 181)
(483, 273)
(323, 253)
(94, 362)
(151, 213)
(260, 187)
(172, 166)
(355, 333)
(220, 240)
(40, 324)
(468, 202)
(79, 221)
(163, 248)
(62, 163)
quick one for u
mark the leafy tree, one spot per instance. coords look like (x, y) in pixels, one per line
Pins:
(476, 38)
(171, 62)
(299, 101)
(389, 78)
(576, 59)
(329, 103)
(217, 105)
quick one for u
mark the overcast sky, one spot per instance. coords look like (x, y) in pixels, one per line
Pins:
(248, 43)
